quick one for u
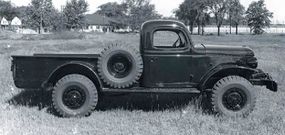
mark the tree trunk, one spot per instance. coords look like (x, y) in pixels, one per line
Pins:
(203, 30)
(230, 24)
(199, 29)
(236, 29)
(219, 30)
(39, 29)
(191, 28)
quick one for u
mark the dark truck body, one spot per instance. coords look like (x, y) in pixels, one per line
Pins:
(33, 72)
(192, 68)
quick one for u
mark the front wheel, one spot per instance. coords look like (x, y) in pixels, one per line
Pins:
(233, 96)
(74, 96)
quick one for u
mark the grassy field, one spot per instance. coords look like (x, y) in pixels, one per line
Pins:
(27, 112)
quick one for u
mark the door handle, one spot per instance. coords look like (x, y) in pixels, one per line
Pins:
(153, 59)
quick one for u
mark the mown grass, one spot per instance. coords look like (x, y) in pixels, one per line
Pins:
(29, 114)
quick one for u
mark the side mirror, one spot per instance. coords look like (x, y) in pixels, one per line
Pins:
(201, 48)
(205, 49)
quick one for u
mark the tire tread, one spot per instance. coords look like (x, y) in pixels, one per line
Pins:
(225, 81)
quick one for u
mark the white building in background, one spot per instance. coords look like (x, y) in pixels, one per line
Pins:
(225, 29)
(4, 23)
(16, 24)
(98, 23)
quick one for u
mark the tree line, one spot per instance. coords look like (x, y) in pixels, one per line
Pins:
(130, 12)
(41, 14)
(200, 13)
(8, 11)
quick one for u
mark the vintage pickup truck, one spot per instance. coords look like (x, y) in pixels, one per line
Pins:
(166, 62)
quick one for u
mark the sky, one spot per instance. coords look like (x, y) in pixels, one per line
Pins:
(166, 7)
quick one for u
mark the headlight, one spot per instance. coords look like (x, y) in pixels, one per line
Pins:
(248, 62)
(252, 62)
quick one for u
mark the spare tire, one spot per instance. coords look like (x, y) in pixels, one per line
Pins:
(120, 66)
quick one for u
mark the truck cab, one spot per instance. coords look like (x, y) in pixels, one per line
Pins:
(169, 55)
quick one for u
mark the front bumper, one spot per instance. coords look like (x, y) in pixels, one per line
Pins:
(264, 79)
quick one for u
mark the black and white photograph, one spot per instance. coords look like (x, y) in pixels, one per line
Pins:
(142, 67)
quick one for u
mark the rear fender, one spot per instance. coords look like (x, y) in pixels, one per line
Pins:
(74, 67)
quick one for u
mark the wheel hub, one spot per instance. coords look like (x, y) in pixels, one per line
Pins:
(234, 99)
(74, 97)
(119, 65)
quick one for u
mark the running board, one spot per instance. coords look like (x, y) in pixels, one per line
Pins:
(153, 90)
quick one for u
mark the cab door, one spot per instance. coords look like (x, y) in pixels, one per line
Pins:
(168, 61)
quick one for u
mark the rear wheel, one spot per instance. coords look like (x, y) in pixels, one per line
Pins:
(233, 96)
(74, 95)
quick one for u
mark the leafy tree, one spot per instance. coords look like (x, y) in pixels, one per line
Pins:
(132, 12)
(186, 13)
(203, 20)
(236, 11)
(202, 16)
(193, 12)
(258, 17)
(21, 11)
(219, 9)
(114, 10)
(39, 14)
(7, 10)
(58, 23)
(140, 11)
(74, 13)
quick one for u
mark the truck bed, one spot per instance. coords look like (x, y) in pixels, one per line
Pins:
(32, 71)
(67, 55)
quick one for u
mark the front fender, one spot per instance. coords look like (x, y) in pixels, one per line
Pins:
(224, 70)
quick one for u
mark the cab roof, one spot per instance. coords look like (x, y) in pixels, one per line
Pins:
(152, 24)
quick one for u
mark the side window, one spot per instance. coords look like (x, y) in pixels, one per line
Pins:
(169, 39)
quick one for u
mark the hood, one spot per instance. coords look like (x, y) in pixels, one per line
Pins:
(225, 50)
